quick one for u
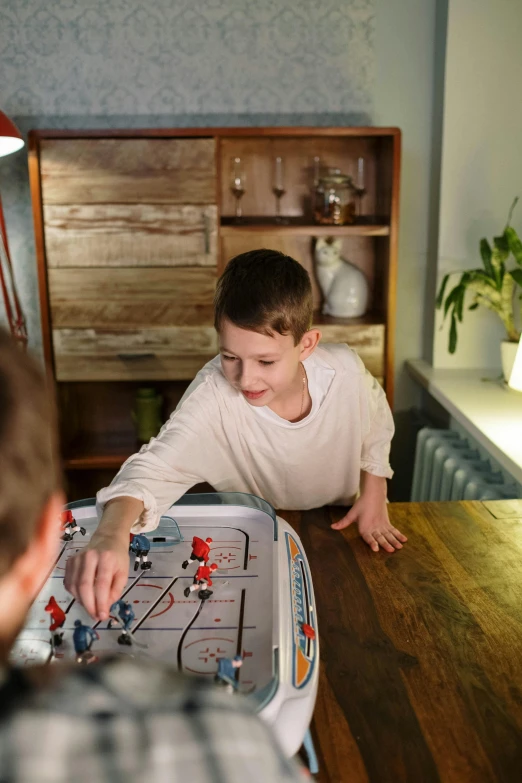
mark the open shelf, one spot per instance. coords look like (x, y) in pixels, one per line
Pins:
(300, 226)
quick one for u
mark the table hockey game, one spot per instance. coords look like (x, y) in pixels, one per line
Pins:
(262, 596)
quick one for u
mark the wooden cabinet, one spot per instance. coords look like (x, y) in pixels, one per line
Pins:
(133, 229)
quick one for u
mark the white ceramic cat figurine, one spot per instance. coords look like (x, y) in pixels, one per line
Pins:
(344, 286)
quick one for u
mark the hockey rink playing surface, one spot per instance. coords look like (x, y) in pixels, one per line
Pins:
(187, 632)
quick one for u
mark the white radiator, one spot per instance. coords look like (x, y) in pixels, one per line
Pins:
(448, 468)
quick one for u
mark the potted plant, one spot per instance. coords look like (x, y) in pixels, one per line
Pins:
(492, 287)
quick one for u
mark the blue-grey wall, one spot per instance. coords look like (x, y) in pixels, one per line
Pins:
(175, 56)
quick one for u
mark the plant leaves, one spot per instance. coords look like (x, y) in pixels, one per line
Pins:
(498, 257)
(453, 334)
(459, 302)
(478, 275)
(473, 306)
(506, 309)
(516, 274)
(502, 245)
(440, 295)
(515, 245)
(451, 299)
(510, 213)
(485, 252)
(486, 291)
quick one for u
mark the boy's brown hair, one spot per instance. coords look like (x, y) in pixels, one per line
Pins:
(265, 291)
(29, 471)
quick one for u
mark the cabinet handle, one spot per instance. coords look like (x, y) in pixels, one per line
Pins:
(206, 233)
(135, 357)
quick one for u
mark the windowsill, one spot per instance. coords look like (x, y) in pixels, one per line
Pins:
(483, 404)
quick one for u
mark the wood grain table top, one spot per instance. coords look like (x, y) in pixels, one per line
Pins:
(421, 650)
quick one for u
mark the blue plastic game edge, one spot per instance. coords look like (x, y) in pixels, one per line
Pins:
(230, 499)
(308, 579)
(208, 499)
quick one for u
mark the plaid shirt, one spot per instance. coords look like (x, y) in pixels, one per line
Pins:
(122, 721)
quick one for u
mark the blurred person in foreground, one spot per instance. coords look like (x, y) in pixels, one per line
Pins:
(120, 720)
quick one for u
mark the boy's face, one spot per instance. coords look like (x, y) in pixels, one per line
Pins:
(263, 368)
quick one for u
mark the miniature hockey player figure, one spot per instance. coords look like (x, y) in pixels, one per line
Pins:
(127, 616)
(200, 551)
(227, 670)
(57, 621)
(202, 581)
(83, 637)
(70, 526)
(140, 546)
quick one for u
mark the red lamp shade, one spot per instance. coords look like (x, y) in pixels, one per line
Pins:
(10, 137)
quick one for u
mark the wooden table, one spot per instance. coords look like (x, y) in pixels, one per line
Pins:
(421, 650)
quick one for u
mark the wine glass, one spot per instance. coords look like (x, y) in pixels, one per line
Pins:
(360, 182)
(317, 171)
(278, 187)
(237, 184)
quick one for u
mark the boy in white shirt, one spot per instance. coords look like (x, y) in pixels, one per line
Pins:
(274, 414)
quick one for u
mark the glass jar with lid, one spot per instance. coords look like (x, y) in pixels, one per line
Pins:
(334, 199)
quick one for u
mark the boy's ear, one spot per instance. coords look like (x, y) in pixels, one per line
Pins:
(33, 566)
(308, 343)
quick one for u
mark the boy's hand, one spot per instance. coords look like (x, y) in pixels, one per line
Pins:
(371, 514)
(97, 575)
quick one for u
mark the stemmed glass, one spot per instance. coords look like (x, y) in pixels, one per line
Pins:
(278, 187)
(359, 183)
(237, 184)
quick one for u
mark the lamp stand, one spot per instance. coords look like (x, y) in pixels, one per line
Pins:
(13, 309)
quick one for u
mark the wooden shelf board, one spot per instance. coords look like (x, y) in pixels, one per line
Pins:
(370, 319)
(100, 451)
(298, 226)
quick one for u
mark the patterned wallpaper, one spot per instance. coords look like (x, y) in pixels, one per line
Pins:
(131, 63)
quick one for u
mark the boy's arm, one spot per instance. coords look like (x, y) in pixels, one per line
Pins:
(370, 509)
(97, 575)
(146, 486)
(379, 428)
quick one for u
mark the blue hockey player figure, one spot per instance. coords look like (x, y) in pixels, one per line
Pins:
(140, 546)
(227, 670)
(83, 637)
(127, 616)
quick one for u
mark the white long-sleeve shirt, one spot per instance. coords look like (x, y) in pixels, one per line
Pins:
(215, 436)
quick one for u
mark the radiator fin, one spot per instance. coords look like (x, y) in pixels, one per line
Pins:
(447, 467)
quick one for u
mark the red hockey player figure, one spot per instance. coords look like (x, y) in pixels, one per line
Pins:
(202, 581)
(70, 526)
(200, 551)
(57, 620)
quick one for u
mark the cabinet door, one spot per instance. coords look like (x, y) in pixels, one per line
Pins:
(128, 171)
(130, 235)
(154, 354)
(131, 323)
(131, 248)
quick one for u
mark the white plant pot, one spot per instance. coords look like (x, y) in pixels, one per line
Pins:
(508, 351)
